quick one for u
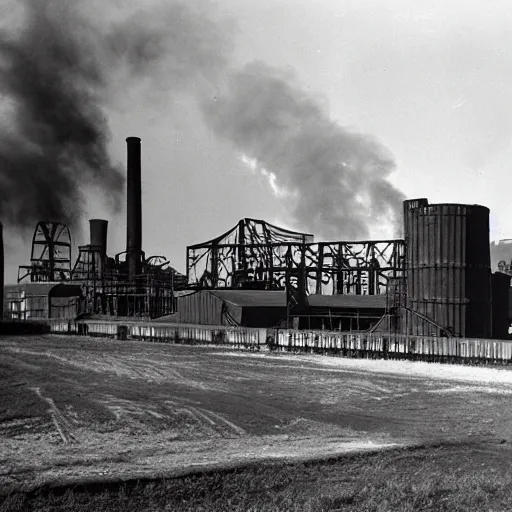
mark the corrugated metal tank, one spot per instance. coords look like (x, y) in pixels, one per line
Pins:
(448, 268)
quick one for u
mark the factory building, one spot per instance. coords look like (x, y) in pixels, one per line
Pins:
(251, 308)
(128, 285)
(269, 308)
(36, 301)
(436, 281)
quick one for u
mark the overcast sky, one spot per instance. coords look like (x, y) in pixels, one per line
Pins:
(430, 80)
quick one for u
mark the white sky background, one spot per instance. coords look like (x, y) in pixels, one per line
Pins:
(431, 80)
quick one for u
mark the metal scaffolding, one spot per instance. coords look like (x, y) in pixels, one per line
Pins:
(258, 255)
(104, 284)
(50, 258)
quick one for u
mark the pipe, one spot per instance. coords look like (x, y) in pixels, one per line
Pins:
(98, 241)
(134, 208)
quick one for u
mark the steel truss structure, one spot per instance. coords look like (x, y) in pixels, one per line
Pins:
(258, 255)
(145, 296)
(50, 258)
(106, 287)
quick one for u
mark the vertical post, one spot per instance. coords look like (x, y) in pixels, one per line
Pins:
(241, 246)
(288, 301)
(303, 277)
(214, 264)
(270, 274)
(372, 271)
(319, 269)
(339, 271)
(188, 268)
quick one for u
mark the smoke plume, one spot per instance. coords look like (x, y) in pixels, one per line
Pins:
(54, 136)
(333, 182)
(60, 68)
(57, 72)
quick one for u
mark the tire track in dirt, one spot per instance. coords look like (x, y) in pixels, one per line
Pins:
(174, 411)
(215, 421)
(124, 366)
(62, 424)
(238, 430)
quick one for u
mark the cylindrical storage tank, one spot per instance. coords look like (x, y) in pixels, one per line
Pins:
(448, 268)
(98, 231)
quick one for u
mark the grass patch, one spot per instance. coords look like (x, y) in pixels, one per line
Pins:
(438, 478)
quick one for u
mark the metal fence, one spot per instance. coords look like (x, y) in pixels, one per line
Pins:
(335, 343)
(234, 337)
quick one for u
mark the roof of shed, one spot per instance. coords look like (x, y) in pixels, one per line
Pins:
(40, 289)
(252, 298)
(270, 298)
(348, 301)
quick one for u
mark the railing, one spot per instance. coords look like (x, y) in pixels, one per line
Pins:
(343, 344)
(394, 346)
(234, 337)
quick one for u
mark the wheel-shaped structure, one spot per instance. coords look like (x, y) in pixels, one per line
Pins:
(50, 258)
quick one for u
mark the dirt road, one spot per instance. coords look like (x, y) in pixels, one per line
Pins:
(79, 408)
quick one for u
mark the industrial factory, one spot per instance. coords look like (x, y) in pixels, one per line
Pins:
(130, 284)
(436, 281)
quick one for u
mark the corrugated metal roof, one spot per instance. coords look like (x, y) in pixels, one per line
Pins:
(348, 301)
(183, 293)
(252, 298)
(40, 289)
(270, 298)
(31, 289)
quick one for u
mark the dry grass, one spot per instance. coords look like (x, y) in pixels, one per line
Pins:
(442, 478)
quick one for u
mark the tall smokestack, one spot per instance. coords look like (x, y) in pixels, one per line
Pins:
(134, 208)
(1, 272)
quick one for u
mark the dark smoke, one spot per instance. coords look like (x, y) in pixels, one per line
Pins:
(62, 66)
(54, 142)
(336, 180)
(58, 70)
